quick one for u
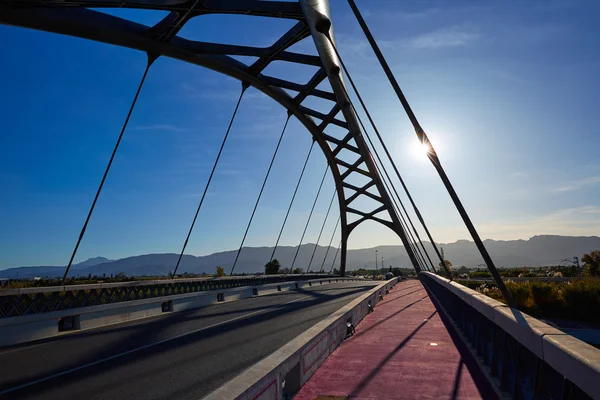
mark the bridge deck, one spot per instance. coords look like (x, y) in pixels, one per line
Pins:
(393, 356)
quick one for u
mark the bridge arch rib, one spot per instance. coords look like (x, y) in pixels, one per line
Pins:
(73, 18)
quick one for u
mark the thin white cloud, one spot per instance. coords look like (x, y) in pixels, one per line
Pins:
(578, 184)
(404, 16)
(519, 174)
(446, 37)
(570, 221)
(159, 127)
(578, 221)
(411, 16)
(529, 34)
(508, 75)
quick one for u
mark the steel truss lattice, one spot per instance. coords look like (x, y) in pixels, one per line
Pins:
(77, 18)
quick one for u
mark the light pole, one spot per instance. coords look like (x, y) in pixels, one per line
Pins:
(376, 268)
(382, 264)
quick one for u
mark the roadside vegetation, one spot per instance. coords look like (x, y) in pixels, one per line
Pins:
(577, 299)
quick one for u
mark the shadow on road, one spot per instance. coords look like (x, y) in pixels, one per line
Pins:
(147, 333)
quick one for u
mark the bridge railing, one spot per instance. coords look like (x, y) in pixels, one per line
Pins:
(37, 300)
(525, 357)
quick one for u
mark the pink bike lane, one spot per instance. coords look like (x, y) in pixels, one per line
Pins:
(402, 350)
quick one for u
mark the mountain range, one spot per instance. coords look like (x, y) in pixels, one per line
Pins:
(536, 251)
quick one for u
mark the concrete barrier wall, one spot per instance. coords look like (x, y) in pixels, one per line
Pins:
(224, 280)
(26, 328)
(577, 361)
(281, 374)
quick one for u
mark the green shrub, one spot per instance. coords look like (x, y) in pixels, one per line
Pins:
(582, 299)
(578, 300)
(480, 274)
(548, 297)
(520, 294)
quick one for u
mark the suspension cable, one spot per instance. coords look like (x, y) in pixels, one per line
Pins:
(244, 87)
(395, 192)
(411, 239)
(293, 198)
(330, 240)
(151, 59)
(321, 232)
(335, 257)
(310, 216)
(416, 249)
(433, 157)
(368, 114)
(413, 244)
(261, 191)
(403, 223)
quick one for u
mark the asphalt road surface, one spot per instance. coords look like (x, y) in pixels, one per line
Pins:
(177, 356)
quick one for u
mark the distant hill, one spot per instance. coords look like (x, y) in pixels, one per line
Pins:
(51, 271)
(91, 262)
(538, 250)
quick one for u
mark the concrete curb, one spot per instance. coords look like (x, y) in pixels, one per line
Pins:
(285, 371)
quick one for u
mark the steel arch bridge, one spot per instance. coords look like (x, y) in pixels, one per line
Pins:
(76, 18)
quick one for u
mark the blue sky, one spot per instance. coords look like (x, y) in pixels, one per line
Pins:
(507, 91)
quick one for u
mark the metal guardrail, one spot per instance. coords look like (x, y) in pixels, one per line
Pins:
(517, 369)
(28, 301)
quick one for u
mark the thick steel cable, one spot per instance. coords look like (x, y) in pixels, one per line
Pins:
(330, 241)
(411, 239)
(310, 216)
(335, 257)
(394, 191)
(414, 246)
(244, 87)
(321, 232)
(261, 192)
(433, 157)
(368, 114)
(422, 259)
(416, 249)
(110, 161)
(391, 160)
(292, 201)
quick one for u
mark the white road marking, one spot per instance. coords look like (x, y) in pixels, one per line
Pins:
(142, 348)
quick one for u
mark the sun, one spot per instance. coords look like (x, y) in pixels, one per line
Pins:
(420, 149)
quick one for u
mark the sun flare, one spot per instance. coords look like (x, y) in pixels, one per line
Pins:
(420, 149)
